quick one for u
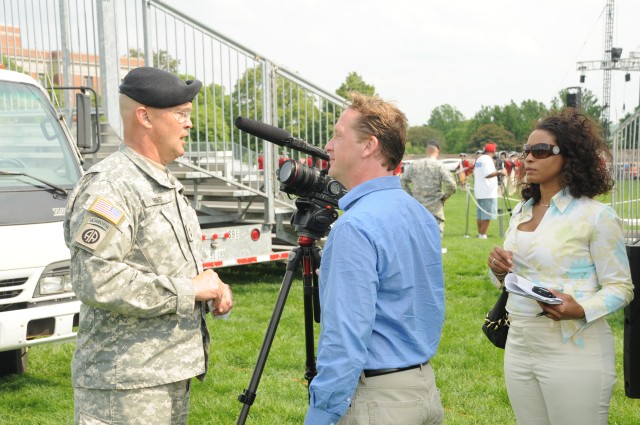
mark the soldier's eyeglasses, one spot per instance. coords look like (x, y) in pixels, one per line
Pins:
(182, 116)
(540, 150)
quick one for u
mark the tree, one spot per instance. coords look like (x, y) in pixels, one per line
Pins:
(161, 59)
(458, 137)
(628, 114)
(519, 120)
(213, 116)
(355, 83)
(492, 133)
(417, 138)
(532, 111)
(445, 118)
(298, 111)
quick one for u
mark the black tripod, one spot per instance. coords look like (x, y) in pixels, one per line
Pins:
(505, 201)
(309, 254)
(505, 195)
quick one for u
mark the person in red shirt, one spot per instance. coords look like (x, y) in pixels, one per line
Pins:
(512, 176)
(260, 162)
(284, 157)
(508, 164)
(398, 169)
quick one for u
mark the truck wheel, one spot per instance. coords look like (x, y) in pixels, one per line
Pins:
(13, 362)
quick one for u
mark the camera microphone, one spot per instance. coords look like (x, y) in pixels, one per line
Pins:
(278, 136)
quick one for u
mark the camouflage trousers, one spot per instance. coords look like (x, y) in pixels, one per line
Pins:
(162, 405)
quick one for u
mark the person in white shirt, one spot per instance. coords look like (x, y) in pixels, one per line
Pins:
(485, 189)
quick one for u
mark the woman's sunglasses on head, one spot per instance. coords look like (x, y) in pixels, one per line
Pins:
(540, 150)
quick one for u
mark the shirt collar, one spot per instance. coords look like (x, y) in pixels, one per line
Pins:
(373, 185)
(163, 177)
(561, 200)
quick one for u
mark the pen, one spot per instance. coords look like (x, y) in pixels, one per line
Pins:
(542, 313)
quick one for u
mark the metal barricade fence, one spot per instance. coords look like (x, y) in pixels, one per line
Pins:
(626, 202)
(625, 197)
(95, 43)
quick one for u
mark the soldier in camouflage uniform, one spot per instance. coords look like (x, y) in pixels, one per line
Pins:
(430, 183)
(136, 265)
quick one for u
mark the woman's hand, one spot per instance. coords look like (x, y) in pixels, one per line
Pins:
(500, 261)
(568, 310)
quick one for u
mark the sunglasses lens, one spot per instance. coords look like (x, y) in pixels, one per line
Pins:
(539, 151)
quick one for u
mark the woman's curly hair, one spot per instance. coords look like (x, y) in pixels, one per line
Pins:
(585, 153)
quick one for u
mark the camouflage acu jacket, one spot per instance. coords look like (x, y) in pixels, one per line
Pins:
(135, 245)
(430, 183)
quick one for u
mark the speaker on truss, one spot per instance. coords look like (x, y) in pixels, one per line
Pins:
(574, 97)
(616, 53)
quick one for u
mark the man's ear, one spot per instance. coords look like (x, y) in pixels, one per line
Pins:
(371, 146)
(142, 115)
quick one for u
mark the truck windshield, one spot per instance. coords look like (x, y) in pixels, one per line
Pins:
(32, 142)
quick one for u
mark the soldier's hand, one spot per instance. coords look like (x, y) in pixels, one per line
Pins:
(224, 304)
(208, 286)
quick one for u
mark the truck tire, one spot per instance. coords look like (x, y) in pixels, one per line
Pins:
(13, 362)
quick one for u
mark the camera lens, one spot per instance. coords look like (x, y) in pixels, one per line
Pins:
(296, 175)
(287, 172)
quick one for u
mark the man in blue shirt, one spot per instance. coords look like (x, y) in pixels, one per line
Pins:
(381, 283)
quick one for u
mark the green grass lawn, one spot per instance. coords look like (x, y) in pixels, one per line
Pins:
(468, 368)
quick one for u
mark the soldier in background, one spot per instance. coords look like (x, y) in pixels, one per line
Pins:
(430, 183)
(136, 265)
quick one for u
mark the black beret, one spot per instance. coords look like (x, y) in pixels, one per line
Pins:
(433, 143)
(157, 88)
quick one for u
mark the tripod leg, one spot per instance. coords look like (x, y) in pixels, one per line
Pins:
(249, 394)
(505, 198)
(315, 252)
(466, 217)
(311, 261)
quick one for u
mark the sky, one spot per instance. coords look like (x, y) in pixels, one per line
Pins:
(421, 54)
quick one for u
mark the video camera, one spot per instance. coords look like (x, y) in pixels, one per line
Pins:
(317, 193)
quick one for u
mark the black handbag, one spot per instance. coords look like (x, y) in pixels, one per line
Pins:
(496, 322)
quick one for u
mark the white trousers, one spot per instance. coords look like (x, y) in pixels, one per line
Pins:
(553, 383)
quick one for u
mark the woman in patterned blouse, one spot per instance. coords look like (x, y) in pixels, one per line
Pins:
(559, 361)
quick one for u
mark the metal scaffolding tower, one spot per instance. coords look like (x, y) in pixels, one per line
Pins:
(612, 61)
(608, 55)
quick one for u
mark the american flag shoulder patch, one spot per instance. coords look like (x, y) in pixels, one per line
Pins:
(107, 210)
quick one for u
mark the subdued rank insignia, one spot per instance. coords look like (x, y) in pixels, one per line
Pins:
(107, 210)
(189, 232)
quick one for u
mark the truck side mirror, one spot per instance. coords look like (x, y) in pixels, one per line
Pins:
(84, 139)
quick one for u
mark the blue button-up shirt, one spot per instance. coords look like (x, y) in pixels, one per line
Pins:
(381, 293)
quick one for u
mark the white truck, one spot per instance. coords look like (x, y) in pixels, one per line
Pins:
(39, 165)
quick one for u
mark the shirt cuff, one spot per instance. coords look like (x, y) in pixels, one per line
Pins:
(186, 296)
(320, 417)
